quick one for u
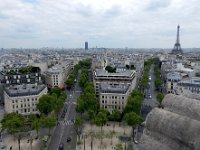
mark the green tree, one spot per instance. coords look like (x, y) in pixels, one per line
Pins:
(197, 74)
(58, 102)
(159, 97)
(13, 123)
(49, 122)
(119, 147)
(46, 104)
(80, 107)
(132, 119)
(115, 116)
(56, 90)
(110, 69)
(78, 126)
(158, 83)
(35, 123)
(101, 120)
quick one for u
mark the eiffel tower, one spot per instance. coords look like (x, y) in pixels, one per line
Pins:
(177, 46)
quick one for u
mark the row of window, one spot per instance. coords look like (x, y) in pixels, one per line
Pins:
(26, 110)
(24, 100)
(25, 105)
(113, 97)
(111, 102)
(111, 107)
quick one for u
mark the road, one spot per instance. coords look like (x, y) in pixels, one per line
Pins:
(148, 103)
(65, 127)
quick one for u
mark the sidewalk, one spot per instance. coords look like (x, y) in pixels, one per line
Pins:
(92, 136)
(10, 140)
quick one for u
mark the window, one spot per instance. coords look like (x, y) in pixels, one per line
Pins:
(102, 101)
(115, 97)
(32, 99)
(102, 96)
(105, 106)
(33, 109)
(105, 97)
(112, 97)
(16, 101)
(115, 102)
(13, 106)
(13, 101)
(17, 106)
(122, 97)
(105, 101)
(21, 105)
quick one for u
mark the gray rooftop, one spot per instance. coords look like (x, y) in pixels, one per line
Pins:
(175, 76)
(24, 90)
(190, 82)
(176, 127)
(104, 73)
(106, 88)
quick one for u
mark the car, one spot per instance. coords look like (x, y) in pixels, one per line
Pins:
(69, 139)
(61, 146)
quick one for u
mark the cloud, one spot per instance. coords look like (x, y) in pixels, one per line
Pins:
(103, 23)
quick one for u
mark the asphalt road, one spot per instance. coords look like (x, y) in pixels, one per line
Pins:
(65, 127)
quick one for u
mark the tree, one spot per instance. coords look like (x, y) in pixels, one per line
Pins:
(56, 90)
(78, 125)
(119, 147)
(80, 107)
(101, 120)
(197, 74)
(58, 103)
(110, 69)
(49, 122)
(46, 104)
(132, 119)
(159, 97)
(115, 116)
(158, 83)
(13, 123)
(35, 123)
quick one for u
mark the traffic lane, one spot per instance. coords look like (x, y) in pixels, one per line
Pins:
(53, 145)
(69, 130)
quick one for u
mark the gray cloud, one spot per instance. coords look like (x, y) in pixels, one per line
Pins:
(113, 23)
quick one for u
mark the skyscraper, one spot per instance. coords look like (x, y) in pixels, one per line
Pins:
(86, 45)
(177, 46)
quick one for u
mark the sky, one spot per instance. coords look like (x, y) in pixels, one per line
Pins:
(103, 23)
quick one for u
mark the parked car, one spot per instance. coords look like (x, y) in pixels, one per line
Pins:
(61, 146)
(69, 139)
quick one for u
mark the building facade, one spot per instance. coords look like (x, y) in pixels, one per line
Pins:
(113, 97)
(126, 78)
(23, 98)
(57, 75)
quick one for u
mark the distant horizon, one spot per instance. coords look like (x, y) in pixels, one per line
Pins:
(110, 24)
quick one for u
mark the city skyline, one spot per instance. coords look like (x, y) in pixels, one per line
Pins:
(114, 23)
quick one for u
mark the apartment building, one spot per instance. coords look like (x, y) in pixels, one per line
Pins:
(57, 75)
(23, 98)
(126, 77)
(113, 97)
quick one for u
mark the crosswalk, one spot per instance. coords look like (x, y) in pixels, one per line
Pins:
(66, 123)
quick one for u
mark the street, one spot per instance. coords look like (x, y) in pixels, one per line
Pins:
(65, 126)
(149, 101)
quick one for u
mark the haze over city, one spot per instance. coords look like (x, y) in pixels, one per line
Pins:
(104, 23)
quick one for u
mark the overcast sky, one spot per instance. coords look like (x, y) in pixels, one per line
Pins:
(103, 23)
